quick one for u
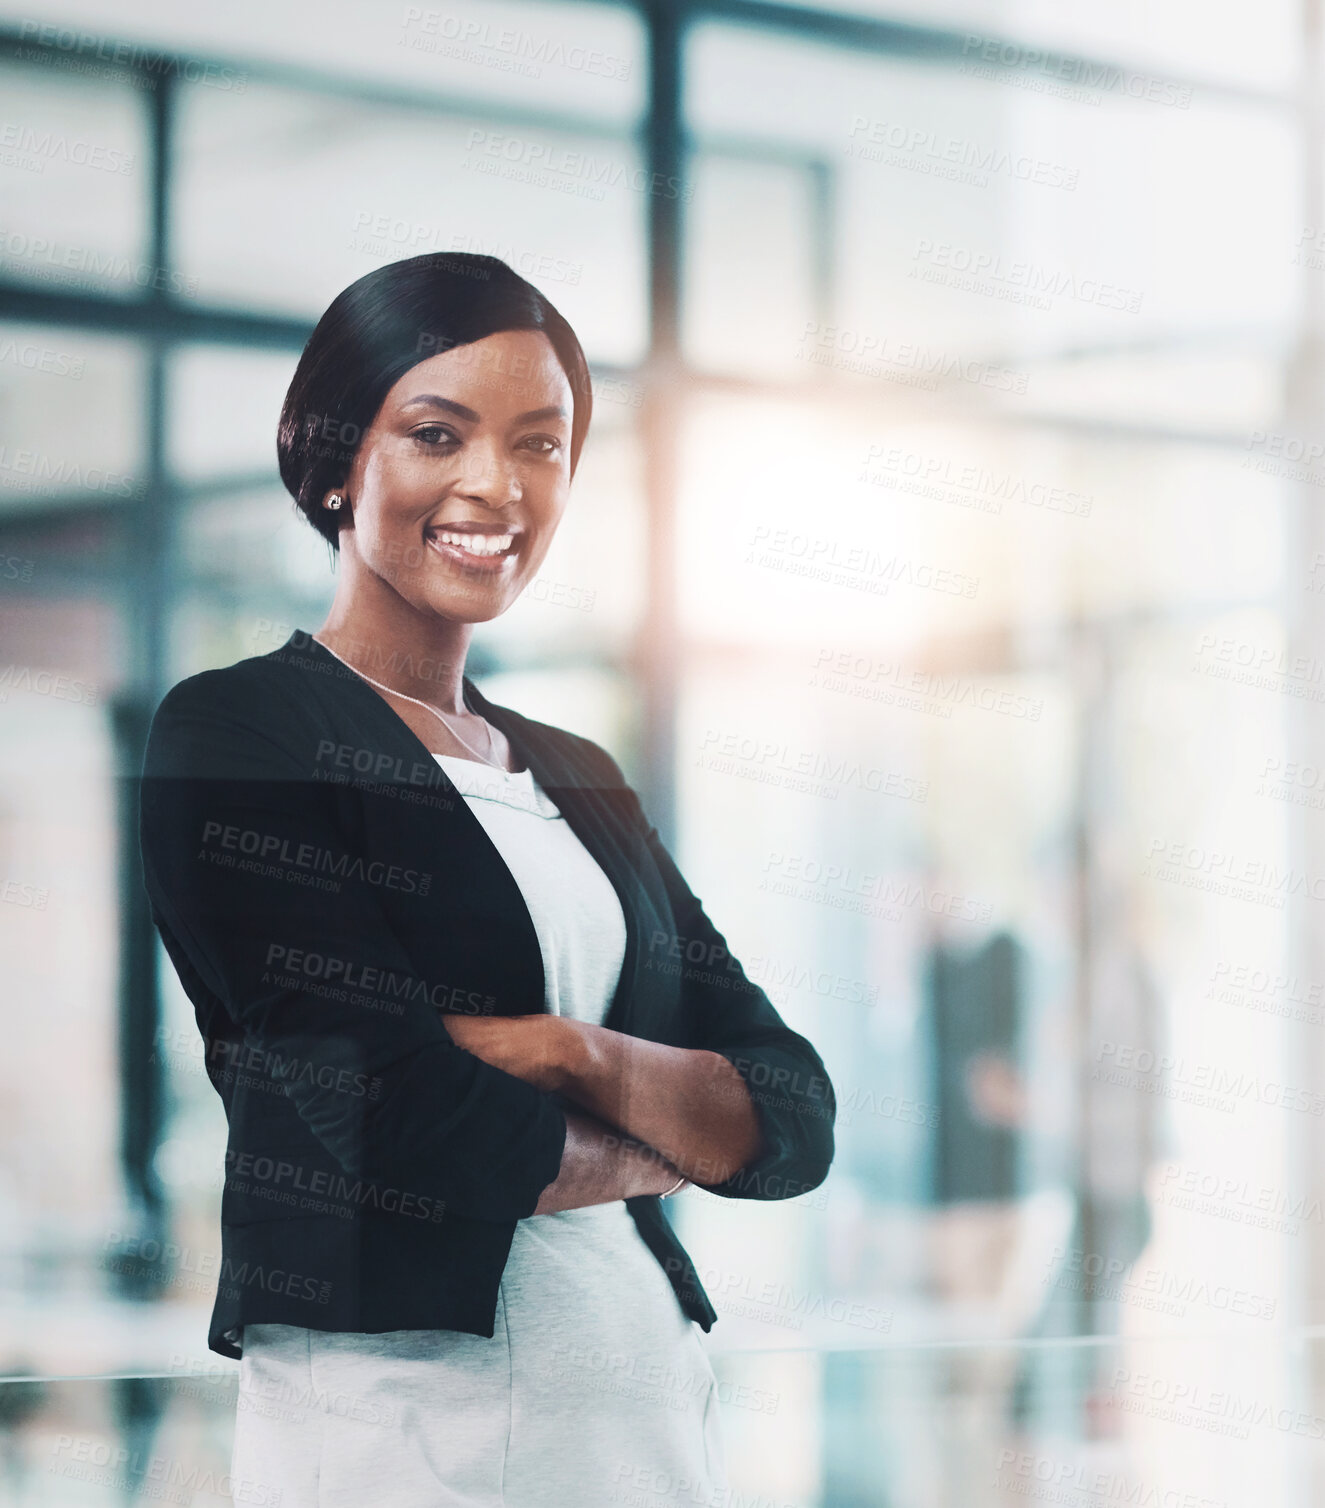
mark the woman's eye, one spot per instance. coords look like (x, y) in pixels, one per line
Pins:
(432, 434)
(545, 445)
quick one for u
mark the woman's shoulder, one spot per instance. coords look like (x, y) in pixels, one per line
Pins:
(252, 709)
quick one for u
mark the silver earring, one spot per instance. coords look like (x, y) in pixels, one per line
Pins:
(334, 500)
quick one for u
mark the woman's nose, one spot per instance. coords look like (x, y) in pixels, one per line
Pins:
(488, 474)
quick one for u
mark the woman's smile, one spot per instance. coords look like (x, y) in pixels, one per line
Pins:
(476, 548)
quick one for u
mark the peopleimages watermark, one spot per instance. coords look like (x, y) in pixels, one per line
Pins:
(383, 987)
(20, 893)
(1310, 250)
(851, 889)
(699, 960)
(366, 653)
(1261, 881)
(81, 50)
(31, 148)
(885, 1106)
(1192, 1401)
(1014, 280)
(136, 1475)
(1293, 782)
(399, 237)
(256, 1067)
(557, 167)
(625, 1374)
(380, 772)
(1224, 1197)
(921, 149)
(171, 1258)
(647, 1486)
(1097, 1275)
(508, 48)
(279, 1180)
(276, 1397)
(778, 977)
(1078, 79)
(33, 358)
(867, 353)
(1293, 459)
(737, 1293)
(52, 683)
(26, 470)
(1261, 667)
(1271, 991)
(38, 258)
(1172, 1075)
(840, 563)
(776, 763)
(1025, 1473)
(279, 857)
(895, 684)
(379, 764)
(965, 485)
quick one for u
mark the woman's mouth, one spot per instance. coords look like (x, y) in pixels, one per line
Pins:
(484, 552)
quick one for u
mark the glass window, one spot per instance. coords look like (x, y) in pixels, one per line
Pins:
(74, 177)
(254, 571)
(225, 404)
(540, 54)
(1134, 48)
(341, 187)
(749, 272)
(1061, 255)
(71, 419)
(59, 1081)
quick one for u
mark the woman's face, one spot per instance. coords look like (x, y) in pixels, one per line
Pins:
(460, 481)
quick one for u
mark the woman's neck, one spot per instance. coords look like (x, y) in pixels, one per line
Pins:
(419, 654)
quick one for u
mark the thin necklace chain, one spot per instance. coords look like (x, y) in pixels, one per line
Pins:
(436, 712)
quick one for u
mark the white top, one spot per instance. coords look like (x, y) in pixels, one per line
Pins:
(575, 910)
(594, 1372)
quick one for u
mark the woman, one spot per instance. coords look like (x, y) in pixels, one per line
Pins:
(468, 1021)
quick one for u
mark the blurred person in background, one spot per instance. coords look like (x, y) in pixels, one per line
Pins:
(468, 1021)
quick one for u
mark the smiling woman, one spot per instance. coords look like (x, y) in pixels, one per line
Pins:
(430, 435)
(451, 502)
(480, 1239)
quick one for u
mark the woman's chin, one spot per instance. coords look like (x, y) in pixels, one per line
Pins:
(478, 605)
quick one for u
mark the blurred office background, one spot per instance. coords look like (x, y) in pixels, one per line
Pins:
(945, 567)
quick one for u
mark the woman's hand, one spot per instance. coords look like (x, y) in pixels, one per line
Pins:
(600, 1166)
(692, 1105)
(538, 1049)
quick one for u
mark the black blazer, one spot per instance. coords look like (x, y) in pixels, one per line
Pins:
(327, 897)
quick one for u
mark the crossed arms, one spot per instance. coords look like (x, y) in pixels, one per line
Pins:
(686, 1112)
(468, 1111)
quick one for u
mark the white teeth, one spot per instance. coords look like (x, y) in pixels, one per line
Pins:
(477, 544)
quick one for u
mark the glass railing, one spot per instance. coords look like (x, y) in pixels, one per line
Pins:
(1146, 1421)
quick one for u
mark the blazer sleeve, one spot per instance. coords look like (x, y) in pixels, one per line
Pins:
(231, 832)
(727, 1013)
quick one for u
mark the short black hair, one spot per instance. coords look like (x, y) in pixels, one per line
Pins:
(377, 329)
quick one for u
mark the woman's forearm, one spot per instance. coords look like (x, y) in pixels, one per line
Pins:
(600, 1166)
(691, 1104)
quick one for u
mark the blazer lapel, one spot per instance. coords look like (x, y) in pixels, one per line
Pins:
(568, 784)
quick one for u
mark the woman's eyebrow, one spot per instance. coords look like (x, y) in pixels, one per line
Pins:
(554, 411)
(458, 409)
